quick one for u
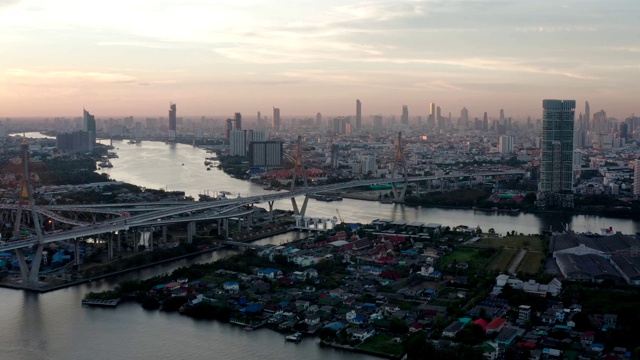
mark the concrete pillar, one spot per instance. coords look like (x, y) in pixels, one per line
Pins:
(191, 229)
(249, 220)
(164, 234)
(304, 205)
(135, 240)
(270, 211)
(219, 221)
(151, 239)
(76, 251)
(226, 228)
(110, 246)
(239, 223)
(119, 241)
(324, 224)
(298, 219)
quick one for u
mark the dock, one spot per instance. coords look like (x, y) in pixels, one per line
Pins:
(99, 302)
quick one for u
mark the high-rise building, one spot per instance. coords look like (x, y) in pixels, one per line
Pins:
(439, 119)
(237, 143)
(505, 144)
(358, 114)
(138, 130)
(431, 121)
(485, 122)
(502, 120)
(237, 121)
(404, 119)
(265, 153)
(78, 141)
(587, 116)
(276, 119)
(556, 171)
(89, 125)
(636, 179)
(464, 117)
(318, 119)
(259, 121)
(3, 130)
(172, 121)
(228, 128)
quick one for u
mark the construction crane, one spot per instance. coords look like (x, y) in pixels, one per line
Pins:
(339, 217)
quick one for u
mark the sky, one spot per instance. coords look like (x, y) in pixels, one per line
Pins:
(214, 57)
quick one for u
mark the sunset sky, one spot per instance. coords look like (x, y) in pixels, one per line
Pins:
(120, 58)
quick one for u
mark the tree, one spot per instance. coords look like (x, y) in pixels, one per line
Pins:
(492, 231)
(478, 231)
(398, 326)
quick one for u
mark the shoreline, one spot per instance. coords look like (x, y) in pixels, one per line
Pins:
(364, 197)
(103, 276)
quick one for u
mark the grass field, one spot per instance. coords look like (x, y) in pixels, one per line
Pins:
(467, 255)
(532, 243)
(502, 260)
(531, 262)
(382, 343)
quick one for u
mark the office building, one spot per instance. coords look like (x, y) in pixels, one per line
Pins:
(237, 143)
(318, 119)
(237, 121)
(358, 114)
(265, 154)
(485, 122)
(505, 144)
(3, 130)
(276, 119)
(556, 171)
(138, 130)
(89, 125)
(172, 121)
(404, 119)
(439, 120)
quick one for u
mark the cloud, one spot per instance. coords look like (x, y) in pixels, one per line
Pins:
(69, 75)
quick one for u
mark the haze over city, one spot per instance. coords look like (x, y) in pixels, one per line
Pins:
(221, 57)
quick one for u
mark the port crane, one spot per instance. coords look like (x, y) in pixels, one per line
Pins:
(339, 216)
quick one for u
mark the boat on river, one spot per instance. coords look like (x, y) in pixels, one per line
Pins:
(297, 337)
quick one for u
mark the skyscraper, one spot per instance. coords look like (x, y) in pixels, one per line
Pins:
(464, 116)
(172, 121)
(89, 124)
(276, 119)
(358, 114)
(237, 119)
(587, 116)
(431, 121)
(556, 171)
(318, 119)
(439, 119)
(404, 119)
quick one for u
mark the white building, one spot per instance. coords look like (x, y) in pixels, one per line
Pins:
(237, 143)
(505, 144)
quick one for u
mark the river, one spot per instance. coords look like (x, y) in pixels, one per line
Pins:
(55, 326)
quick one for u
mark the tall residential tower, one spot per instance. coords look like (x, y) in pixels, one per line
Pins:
(556, 171)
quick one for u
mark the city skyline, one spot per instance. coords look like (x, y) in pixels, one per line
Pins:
(305, 57)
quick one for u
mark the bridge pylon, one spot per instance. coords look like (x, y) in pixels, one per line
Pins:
(29, 274)
(299, 166)
(399, 164)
